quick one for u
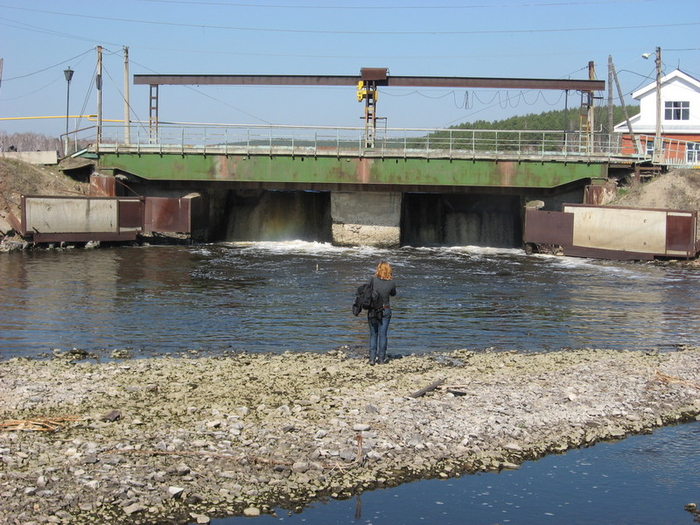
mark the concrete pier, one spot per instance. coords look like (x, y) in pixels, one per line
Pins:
(366, 218)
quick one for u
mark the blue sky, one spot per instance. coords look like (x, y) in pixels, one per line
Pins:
(482, 38)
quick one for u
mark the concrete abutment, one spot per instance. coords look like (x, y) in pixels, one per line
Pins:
(366, 218)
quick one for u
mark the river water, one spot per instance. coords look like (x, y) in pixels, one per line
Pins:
(642, 480)
(297, 296)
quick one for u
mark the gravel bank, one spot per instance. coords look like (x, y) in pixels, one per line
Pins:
(176, 440)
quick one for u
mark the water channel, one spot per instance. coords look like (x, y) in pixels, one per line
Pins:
(297, 296)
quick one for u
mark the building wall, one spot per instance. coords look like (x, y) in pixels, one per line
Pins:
(675, 90)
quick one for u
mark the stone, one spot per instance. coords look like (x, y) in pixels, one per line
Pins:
(134, 508)
(251, 512)
(112, 416)
(300, 466)
(175, 492)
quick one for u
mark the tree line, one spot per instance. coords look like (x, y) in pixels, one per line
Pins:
(563, 119)
(28, 142)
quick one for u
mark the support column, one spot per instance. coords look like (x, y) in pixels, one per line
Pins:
(368, 218)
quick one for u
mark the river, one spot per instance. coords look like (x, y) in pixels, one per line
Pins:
(297, 296)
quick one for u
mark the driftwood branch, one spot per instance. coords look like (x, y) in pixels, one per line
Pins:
(41, 424)
(432, 386)
(672, 379)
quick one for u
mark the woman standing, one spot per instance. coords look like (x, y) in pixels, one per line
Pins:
(379, 329)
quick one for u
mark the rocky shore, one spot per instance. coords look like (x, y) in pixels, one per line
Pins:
(177, 440)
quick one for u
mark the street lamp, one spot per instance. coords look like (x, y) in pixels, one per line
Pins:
(69, 76)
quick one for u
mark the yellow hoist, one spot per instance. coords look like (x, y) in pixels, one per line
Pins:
(368, 92)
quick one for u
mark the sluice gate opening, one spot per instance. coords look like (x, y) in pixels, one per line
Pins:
(423, 219)
(461, 220)
(268, 215)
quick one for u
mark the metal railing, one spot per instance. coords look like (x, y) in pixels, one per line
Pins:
(187, 138)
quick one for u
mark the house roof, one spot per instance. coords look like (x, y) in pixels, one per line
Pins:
(676, 74)
(640, 125)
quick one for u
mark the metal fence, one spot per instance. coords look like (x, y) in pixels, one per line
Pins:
(205, 139)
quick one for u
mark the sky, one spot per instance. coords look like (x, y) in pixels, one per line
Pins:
(551, 39)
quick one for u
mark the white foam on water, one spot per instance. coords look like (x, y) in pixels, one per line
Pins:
(312, 248)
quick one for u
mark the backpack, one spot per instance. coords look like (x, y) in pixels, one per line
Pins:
(367, 298)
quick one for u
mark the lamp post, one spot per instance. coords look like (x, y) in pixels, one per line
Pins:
(69, 76)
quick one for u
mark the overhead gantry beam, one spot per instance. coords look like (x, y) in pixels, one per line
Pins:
(389, 81)
(367, 83)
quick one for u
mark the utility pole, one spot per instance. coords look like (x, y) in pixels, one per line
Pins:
(658, 149)
(637, 145)
(611, 115)
(127, 122)
(588, 129)
(98, 85)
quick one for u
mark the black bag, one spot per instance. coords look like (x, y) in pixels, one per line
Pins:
(366, 298)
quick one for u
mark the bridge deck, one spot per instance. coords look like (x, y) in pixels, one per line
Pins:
(549, 145)
(402, 159)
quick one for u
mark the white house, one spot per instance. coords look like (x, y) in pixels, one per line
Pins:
(680, 118)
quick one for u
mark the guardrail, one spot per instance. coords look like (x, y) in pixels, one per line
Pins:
(188, 138)
(346, 141)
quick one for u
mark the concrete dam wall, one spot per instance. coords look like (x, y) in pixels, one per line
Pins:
(372, 218)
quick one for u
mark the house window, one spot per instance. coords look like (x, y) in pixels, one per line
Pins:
(677, 111)
(650, 147)
(693, 152)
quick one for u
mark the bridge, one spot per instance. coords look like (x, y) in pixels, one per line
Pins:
(501, 167)
(381, 185)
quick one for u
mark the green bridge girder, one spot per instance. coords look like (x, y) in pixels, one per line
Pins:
(356, 173)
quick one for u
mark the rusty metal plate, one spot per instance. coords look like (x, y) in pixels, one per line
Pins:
(548, 227)
(167, 215)
(680, 232)
(103, 186)
(130, 213)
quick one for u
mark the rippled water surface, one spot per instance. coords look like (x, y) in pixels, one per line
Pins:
(297, 296)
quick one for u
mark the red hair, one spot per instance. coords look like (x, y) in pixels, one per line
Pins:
(384, 270)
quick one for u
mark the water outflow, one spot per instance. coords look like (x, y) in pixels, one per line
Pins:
(426, 219)
(279, 216)
(461, 220)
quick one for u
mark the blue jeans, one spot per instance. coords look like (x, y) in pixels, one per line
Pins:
(378, 333)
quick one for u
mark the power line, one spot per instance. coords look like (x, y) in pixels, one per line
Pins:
(354, 32)
(395, 7)
(49, 67)
(210, 97)
(36, 29)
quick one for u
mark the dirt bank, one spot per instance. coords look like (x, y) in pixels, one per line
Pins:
(18, 178)
(676, 190)
(176, 440)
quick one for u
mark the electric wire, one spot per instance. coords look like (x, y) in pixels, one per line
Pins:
(395, 7)
(211, 97)
(356, 32)
(47, 68)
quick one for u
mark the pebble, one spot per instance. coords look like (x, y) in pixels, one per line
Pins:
(146, 444)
